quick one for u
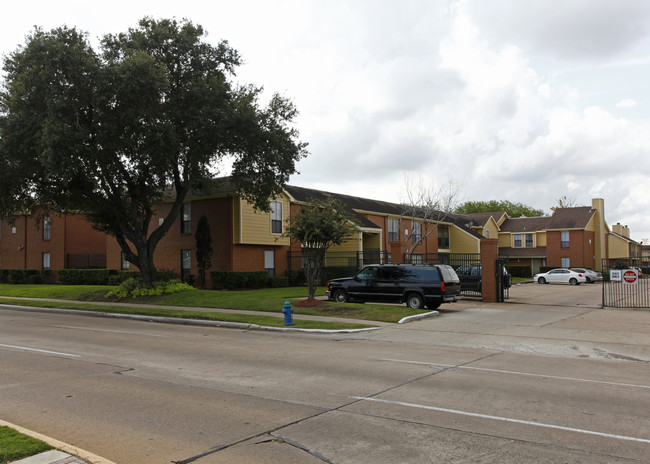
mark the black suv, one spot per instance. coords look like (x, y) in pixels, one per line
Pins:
(416, 286)
(471, 277)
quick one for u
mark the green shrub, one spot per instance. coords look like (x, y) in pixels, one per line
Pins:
(279, 281)
(85, 276)
(135, 288)
(4, 276)
(21, 276)
(165, 275)
(230, 280)
(296, 277)
(335, 272)
(519, 271)
(35, 279)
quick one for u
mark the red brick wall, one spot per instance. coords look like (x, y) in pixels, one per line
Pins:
(580, 251)
(68, 234)
(489, 256)
(12, 246)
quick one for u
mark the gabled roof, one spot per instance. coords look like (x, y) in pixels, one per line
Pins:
(481, 219)
(571, 218)
(525, 224)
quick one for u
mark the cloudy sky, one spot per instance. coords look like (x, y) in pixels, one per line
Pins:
(515, 100)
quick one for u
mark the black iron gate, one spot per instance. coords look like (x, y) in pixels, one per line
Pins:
(626, 283)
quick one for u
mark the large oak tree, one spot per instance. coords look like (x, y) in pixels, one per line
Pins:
(145, 118)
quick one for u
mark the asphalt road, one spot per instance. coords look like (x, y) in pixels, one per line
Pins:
(560, 380)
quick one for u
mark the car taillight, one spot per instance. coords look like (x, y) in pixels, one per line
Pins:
(579, 275)
(442, 286)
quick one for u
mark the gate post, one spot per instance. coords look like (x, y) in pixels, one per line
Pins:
(489, 256)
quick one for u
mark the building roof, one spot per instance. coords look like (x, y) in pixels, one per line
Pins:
(480, 219)
(571, 218)
(525, 224)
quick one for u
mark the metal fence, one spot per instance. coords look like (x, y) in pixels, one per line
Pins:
(85, 261)
(626, 283)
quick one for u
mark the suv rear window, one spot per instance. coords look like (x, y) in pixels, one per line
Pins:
(448, 273)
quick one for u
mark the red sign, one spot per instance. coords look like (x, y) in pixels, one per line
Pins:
(630, 276)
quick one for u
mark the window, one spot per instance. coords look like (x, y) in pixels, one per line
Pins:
(566, 262)
(487, 233)
(565, 238)
(517, 240)
(269, 262)
(393, 230)
(186, 264)
(276, 217)
(46, 261)
(417, 232)
(416, 259)
(186, 219)
(443, 237)
(125, 263)
(46, 228)
(529, 240)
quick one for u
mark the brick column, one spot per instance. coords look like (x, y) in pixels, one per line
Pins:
(397, 250)
(489, 256)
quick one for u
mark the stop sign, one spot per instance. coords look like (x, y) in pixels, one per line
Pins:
(630, 276)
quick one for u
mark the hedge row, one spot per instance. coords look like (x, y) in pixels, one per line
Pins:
(25, 276)
(519, 271)
(229, 280)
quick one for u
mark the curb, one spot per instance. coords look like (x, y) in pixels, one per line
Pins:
(70, 449)
(417, 317)
(181, 321)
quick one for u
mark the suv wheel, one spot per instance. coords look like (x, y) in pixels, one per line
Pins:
(414, 301)
(340, 296)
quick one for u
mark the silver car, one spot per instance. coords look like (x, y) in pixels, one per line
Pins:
(560, 276)
(591, 276)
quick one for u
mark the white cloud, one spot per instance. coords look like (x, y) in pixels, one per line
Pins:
(518, 100)
(627, 103)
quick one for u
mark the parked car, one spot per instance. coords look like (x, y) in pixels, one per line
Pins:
(591, 276)
(471, 277)
(560, 276)
(416, 286)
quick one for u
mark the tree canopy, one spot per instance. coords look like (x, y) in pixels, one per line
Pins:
(513, 209)
(147, 117)
(319, 225)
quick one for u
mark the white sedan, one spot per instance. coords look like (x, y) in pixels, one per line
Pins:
(565, 276)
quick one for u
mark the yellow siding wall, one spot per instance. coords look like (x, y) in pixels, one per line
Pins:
(461, 242)
(618, 247)
(352, 245)
(492, 227)
(254, 227)
(541, 239)
(505, 240)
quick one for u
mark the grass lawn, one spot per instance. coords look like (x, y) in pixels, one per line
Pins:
(267, 300)
(15, 445)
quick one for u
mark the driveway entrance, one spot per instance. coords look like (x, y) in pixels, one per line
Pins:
(584, 295)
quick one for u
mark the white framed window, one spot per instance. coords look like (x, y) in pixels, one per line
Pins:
(186, 264)
(416, 259)
(269, 262)
(186, 219)
(46, 261)
(566, 263)
(125, 263)
(517, 242)
(393, 230)
(564, 239)
(47, 228)
(417, 232)
(487, 233)
(276, 217)
(443, 237)
(529, 240)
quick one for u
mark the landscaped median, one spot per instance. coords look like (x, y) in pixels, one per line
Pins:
(93, 298)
